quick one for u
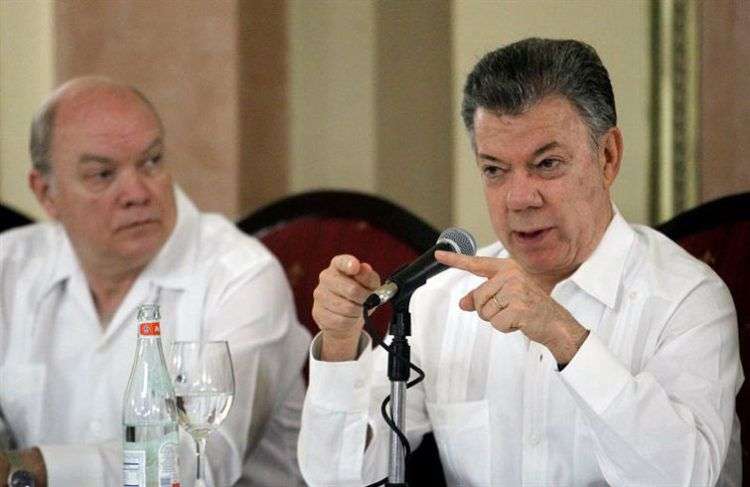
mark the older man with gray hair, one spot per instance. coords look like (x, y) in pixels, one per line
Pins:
(577, 350)
(123, 235)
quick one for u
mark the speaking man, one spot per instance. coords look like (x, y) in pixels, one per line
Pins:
(577, 350)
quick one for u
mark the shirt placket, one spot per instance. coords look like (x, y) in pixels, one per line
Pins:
(534, 451)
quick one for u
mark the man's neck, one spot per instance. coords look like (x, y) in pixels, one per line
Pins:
(549, 281)
(109, 290)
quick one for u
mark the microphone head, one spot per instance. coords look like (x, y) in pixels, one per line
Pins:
(458, 238)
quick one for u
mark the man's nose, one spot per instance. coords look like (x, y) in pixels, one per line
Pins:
(133, 189)
(523, 192)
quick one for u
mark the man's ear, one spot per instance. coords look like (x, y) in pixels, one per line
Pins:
(610, 155)
(41, 185)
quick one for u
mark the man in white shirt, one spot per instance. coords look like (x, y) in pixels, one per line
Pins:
(69, 290)
(578, 350)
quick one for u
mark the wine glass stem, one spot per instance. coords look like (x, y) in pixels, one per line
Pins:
(200, 450)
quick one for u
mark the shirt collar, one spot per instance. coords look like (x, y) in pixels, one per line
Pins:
(64, 262)
(173, 265)
(601, 274)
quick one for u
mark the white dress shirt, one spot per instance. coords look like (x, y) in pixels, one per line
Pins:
(648, 400)
(63, 374)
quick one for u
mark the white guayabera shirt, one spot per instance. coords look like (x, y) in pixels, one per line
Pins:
(648, 400)
(63, 376)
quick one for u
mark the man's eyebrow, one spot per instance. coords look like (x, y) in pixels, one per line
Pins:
(156, 144)
(488, 157)
(550, 145)
(87, 158)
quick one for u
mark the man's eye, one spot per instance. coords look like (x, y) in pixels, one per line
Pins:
(492, 171)
(548, 164)
(153, 161)
(104, 174)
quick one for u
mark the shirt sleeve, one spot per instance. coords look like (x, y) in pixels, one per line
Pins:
(342, 403)
(255, 313)
(671, 421)
(84, 465)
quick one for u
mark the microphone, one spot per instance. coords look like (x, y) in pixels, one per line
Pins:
(406, 280)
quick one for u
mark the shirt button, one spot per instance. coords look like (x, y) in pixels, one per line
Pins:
(535, 439)
(96, 427)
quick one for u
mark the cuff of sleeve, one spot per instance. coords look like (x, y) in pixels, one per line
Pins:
(340, 386)
(72, 464)
(595, 375)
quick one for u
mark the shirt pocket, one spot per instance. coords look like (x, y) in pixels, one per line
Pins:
(462, 433)
(21, 388)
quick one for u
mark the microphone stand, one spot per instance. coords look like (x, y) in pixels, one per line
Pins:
(398, 373)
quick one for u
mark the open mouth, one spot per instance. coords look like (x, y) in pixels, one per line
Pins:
(532, 236)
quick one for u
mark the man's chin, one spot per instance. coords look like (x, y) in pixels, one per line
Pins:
(536, 264)
(140, 252)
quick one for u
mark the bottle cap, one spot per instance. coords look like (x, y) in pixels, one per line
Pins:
(148, 320)
(148, 312)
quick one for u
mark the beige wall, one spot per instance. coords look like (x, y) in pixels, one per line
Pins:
(725, 80)
(332, 96)
(414, 107)
(619, 30)
(372, 98)
(201, 63)
(26, 76)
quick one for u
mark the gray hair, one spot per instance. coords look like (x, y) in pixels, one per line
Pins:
(43, 123)
(40, 141)
(512, 79)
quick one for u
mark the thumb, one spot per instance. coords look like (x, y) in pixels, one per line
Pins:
(346, 264)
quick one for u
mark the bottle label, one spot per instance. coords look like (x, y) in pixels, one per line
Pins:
(134, 468)
(150, 329)
(168, 465)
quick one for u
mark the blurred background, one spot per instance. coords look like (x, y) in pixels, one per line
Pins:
(266, 98)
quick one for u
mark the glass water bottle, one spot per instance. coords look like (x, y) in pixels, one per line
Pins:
(149, 416)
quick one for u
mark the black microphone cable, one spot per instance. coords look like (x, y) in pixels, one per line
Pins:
(405, 281)
(384, 406)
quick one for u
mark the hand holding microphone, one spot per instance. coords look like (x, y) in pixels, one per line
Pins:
(347, 284)
(337, 308)
(405, 281)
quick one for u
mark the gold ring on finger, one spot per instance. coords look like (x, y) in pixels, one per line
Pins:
(500, 306)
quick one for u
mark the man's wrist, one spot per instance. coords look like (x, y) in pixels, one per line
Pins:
(29, 460)
(18, 475)
(568, 343)
(338, 348)
(4, 467)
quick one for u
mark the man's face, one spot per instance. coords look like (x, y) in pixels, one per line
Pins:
(547, 189)
(108, 186)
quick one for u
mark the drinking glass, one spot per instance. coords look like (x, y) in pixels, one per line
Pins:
(203, 380)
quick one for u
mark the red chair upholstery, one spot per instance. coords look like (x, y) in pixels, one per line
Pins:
(718, 233)
(305, 231)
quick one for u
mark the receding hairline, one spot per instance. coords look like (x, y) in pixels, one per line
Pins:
(83, 86)
(43, 124)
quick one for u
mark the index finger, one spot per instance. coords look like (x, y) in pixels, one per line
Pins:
(479, 266)
(367, 276)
